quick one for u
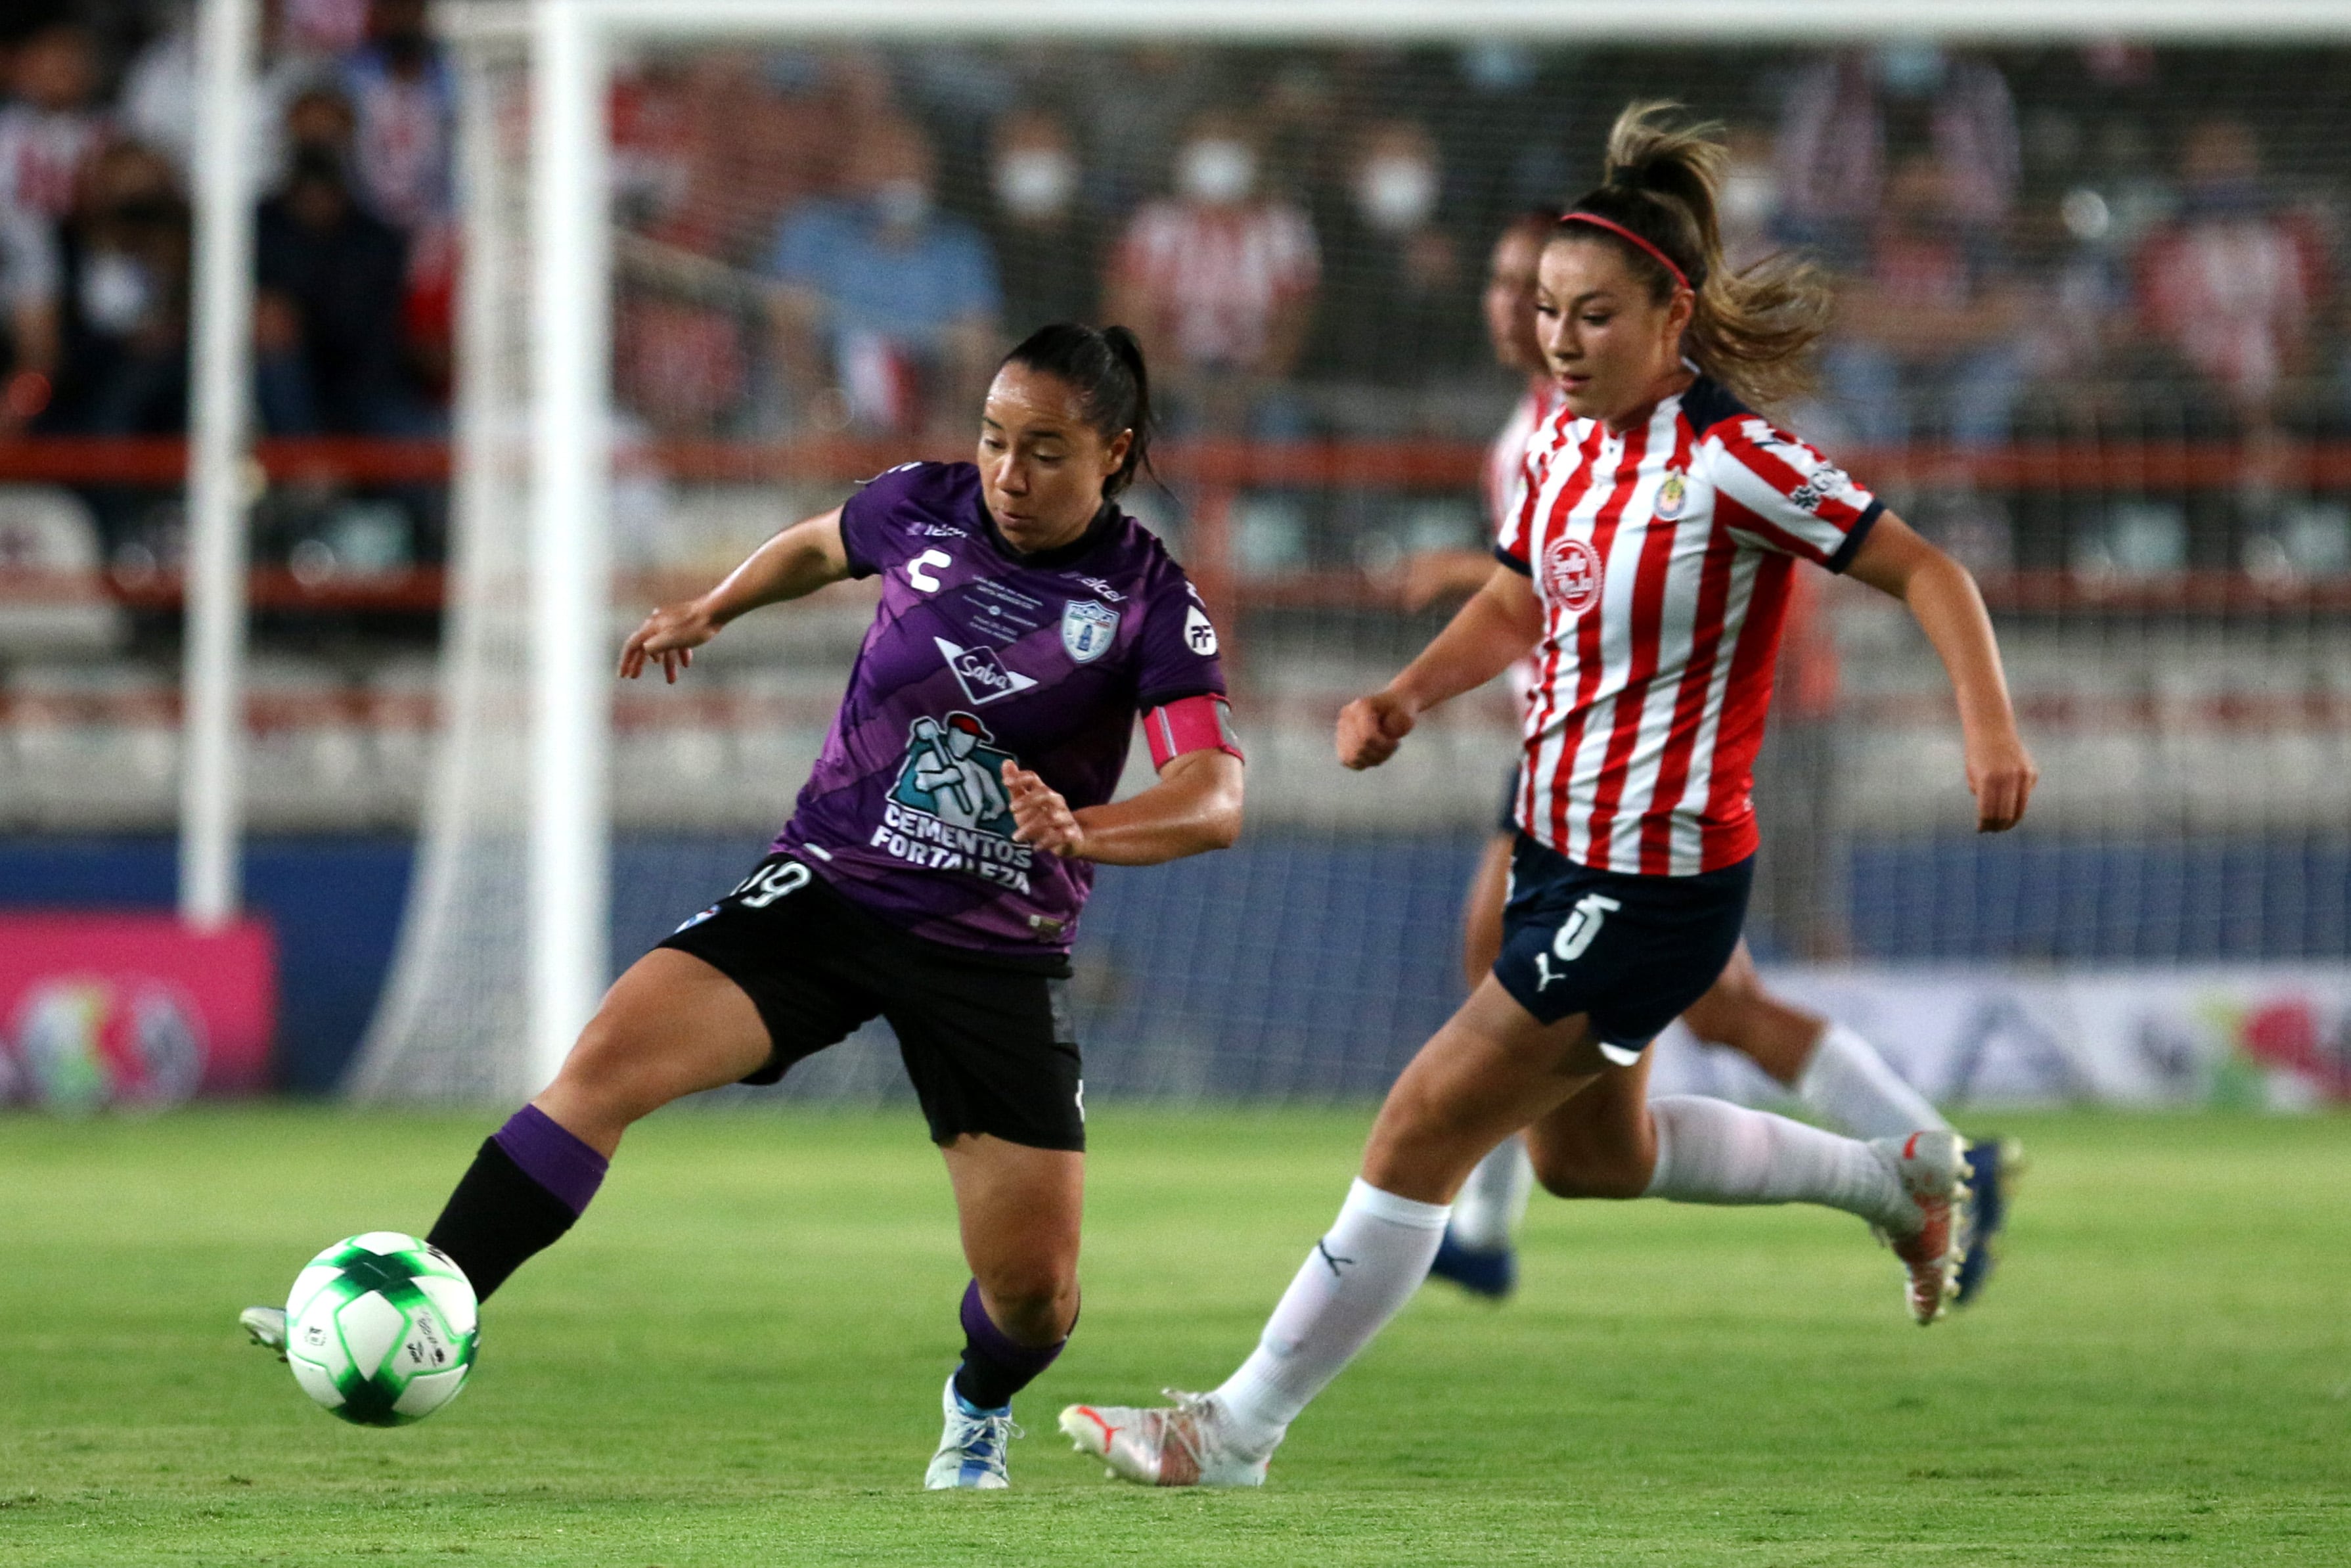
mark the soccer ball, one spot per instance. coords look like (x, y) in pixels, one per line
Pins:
(381, 1328)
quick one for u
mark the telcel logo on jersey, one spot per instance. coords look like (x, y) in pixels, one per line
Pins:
(949, 810)
(1573, 574)
(982, 675)
(1088, 629)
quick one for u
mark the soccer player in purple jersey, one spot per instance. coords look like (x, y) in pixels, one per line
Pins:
(935, 864)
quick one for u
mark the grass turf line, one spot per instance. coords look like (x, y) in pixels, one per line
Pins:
(735, 1359)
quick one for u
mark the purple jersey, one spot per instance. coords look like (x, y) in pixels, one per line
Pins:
(979, 654)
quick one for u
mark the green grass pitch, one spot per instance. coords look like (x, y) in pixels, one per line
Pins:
(737, 1358)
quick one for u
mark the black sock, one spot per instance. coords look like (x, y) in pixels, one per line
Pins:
(995, 1366)
(497, 1219)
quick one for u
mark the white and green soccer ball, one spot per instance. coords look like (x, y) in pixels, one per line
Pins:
(381, 1328)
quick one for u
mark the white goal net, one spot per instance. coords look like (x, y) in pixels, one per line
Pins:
(2093, 340)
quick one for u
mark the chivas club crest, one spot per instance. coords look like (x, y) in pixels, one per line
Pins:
(1671, 496)
(1088, 628)
(1572, 574)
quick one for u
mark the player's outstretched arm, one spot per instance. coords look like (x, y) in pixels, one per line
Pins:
(1485, 637)
(1943, 598)
(797, 561)
(1195, 807)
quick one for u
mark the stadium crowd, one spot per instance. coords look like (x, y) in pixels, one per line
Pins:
(2115, 243)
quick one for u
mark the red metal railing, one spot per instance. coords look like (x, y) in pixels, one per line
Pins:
(1210, 475)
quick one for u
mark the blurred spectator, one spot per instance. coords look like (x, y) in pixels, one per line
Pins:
(122, 363)
(709, 152)
(1409, 313)
(29, 317)
(327, 316)
(1751, 210)
(2235, 283)
(1218, 281)
(401, 92)
(1044, 244)
(1929, 327)
(892, 304)
(158, 103)
(53, 125)
(1844, 113)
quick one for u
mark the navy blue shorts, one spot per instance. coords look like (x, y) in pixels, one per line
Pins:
(1634, 952)
(1506, 821)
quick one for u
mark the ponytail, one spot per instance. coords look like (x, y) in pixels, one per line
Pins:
(1105, 367)
(1751, 329)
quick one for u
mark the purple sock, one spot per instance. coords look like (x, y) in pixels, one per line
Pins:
(995, 1366)
(552, 1157)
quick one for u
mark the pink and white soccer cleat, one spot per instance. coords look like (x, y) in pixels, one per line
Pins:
(1185, 1445)
(1933, 1170)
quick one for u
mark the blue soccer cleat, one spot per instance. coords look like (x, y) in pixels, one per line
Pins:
(1994, 1167)
(1488, 1271)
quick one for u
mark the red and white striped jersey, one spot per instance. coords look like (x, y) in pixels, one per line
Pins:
(1661, 558)
(1505, 468)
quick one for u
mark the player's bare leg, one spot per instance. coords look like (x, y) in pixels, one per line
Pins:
(1490, 1071)
(1020, 1208)
(1614, 1142)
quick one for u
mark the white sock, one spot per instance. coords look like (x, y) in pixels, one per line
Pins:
(1710, 1151)
(1848, 1083)
(1359, 1276)
(1494, 1199)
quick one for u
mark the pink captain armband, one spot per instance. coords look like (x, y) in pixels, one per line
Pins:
(1204, 723)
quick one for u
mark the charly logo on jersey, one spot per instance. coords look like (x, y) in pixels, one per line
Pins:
(983, 676)
(1573, 574)
(1672, 496)
(950, 810)
(1088, 629)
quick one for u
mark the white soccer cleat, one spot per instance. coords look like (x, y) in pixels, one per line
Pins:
(971, 1450)
(1183, 1446)
(267, 1327)
(1932, 1167)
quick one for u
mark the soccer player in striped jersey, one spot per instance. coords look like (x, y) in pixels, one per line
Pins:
(1831, 1068)
(1648, 563)
(936, 863)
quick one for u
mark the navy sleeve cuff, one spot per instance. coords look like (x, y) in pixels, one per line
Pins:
(1513, 562)
(1855, 536)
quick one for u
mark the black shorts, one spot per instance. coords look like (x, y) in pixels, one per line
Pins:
(987, 1042)
(1634, 952)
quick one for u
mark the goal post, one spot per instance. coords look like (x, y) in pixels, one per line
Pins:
(534, 822)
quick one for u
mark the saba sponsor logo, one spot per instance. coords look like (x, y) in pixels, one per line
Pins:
(983, 676)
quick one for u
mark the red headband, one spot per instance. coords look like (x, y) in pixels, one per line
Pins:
(1616, 228)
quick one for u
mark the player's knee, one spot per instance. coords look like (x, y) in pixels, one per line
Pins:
(1590, 1173)
(1034, 1300)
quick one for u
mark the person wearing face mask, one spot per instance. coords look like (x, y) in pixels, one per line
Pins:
(1396, 266)
(122, 259)
(1219, 278)
(1044, 242)
(401, 91)
(885, 309)
(327, 309)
